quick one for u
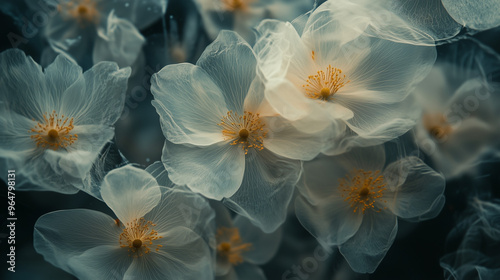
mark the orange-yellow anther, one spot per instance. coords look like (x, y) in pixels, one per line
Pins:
(437, 125)
(53, 132)
(361, 189)
(247, 130)
(139, 236)
(236, 5)
(230, 245)
(324, 84)
(83, 11)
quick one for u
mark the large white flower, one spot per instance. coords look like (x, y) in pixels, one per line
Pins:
(108, 28)
(55, 123)
(222, 139)
(241, 246)
(242, 15)
(159, 233)
(332, 66)
(354, 200)
(459, 99)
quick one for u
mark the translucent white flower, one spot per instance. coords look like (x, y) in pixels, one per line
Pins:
(222, 139)
(242, 15)
(159, 233)
(55, 123)
(108, 28)
(459, 98)
(241, 246)
(354, 200)
(331, 68)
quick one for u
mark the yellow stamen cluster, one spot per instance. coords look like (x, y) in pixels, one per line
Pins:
(230, 245)
(53, 132)
(246, 130)
(138, 237)
(437, 125)
(324, 85)
(362, 189)
(236, 5)
(83, 11)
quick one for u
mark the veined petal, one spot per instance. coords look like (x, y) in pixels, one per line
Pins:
(266, 189)
(105, 261)
(130, 192)
(414, 194)
(189, 103)
(98, 96)
(22, 85)
(120, 41)
(476, 15)
(231, 64)
(59, 76)
(332, 221)
(216, 171)
(184, 255)
(62, 235)
(366, 249)
(264, 246)
(15, 138)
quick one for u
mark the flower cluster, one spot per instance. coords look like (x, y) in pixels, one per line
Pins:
(341, 120)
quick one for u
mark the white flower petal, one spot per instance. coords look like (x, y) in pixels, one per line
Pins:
(477, 15)
(266, 189)
(264, 246)
(100, 262)
(130, 192)
(189, 103)
(15, 138)
(366, 249)
(332, 221)
(59, 76)
(97, 97)
(141, 13)
(215, 171)
(61, 235)
(231, 64)
(417, 189)
(22, 85)
(120, 41)
(184, 255)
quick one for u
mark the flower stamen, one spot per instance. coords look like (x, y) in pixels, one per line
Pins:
(83, 11)
(138, 236)
(236, 5)
(230, 245)
(362, 189)
(246, 130)
(324, 85)
(53, 132)
(437, 125)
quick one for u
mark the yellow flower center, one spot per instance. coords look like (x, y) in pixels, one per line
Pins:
(246, 130)
(324, 84)
(236, 5)
(437, 125)
(361, 189)
(230, 245)
(53, 132)
(138, 236)
(83, 11)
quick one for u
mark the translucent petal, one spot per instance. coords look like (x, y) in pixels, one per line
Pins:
(332, 221)
(264, 246)
(477, 15)
(130, 192)
(184, 255)
(266, 189)
(189, 103)
(60, 75)
(120, 41)
(97, 97)
(62, 235)
(417, 188)
(105, 261)
(366, 249)
(231, 64)
(215, 171)
(23, 85)
(141, 13)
